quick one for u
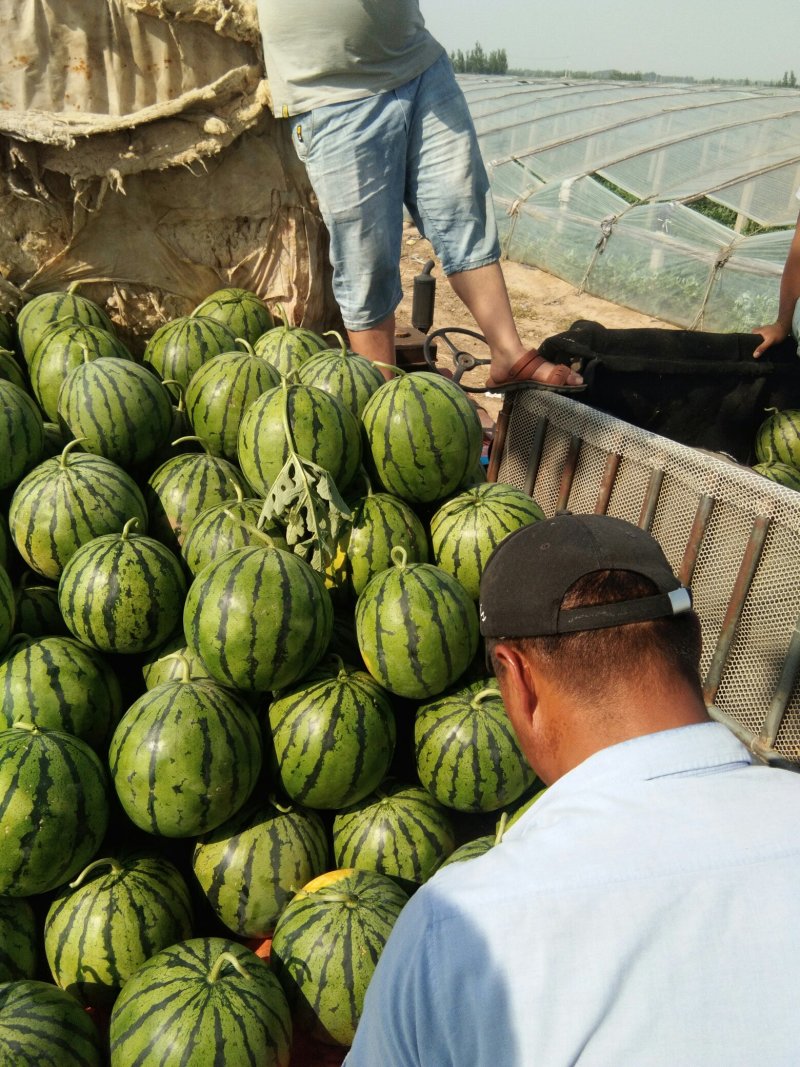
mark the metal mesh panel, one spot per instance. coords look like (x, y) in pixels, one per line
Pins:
(733, 533)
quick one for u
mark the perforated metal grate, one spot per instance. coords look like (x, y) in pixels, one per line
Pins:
(733, 535)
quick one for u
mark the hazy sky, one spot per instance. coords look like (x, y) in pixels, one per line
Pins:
(702, 38)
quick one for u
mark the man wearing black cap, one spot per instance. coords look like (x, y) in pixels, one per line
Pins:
(644, 911)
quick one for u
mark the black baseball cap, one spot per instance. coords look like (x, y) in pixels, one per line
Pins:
(529, 572)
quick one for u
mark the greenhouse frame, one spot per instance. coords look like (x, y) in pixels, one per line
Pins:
(612, 186)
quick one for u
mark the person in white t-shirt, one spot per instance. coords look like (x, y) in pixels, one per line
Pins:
(788, 320)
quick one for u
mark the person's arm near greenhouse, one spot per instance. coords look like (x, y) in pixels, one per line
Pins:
(789, 295)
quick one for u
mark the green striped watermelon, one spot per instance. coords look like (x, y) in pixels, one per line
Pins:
(42, 1025)
(225, 526)
(466, 529)
(782, 473)
(267, 648)
(185, 486)
(65, 502)
(39, 314)
(423, 436)
(470, 850)
(184, 757)
(245, 314)
(37, 611)
(21, 433)
(64, 346)
(351, 378)
(7, 332)
(179, 348)
(333, 740)
(220, 392)
(326, 945)
(56, 683)
(5, 542)
(288, 347)
(252, 865)
(53, 808)
(380, 522)
(118, 408)
(400, 831)
(417, 628)
(114, 916)
(19, 939)
(467, 753)
(8, 608)
(778, 438)
(206, 1002)
(10, 370)
(323, 429)
(122, 592)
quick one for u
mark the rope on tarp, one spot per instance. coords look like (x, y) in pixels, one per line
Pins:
(722, 258)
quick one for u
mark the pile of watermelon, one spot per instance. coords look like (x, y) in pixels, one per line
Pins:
(777, 448)
(244, 713)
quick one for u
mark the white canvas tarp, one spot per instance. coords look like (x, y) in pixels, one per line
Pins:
(139, 160)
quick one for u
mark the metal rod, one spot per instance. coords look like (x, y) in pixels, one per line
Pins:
(650, 502)
(783, 691)
(499, 443)
(568, 472)
(607, 483)
(535, 457)
(701, 519)
(744, 579)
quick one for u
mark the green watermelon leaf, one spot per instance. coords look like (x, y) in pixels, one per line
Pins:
(305, 500)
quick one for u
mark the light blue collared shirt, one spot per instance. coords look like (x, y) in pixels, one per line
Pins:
(645, 911)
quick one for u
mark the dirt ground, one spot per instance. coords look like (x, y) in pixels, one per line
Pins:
(542, 304)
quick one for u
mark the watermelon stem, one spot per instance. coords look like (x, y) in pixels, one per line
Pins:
(248, 348)
(501, 828)
(191, 437)
(129, 525)
(483, 696)
(255, 530)
(179, 390)
(68, 448)
(345, 350)
(108, 861)
(399, 557)
(219, 963)
(183, 663)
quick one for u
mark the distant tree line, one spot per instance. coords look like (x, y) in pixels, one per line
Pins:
(476, 61)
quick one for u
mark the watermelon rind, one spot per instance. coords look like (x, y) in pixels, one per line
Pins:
(417, 628)
(185, 757)
(220, 392)
(252, 865)
(57, 683)
(113, 917)
(68, 500)
(122, 592)
(333, 740)
(257, 651)
(181, 346)
(64, 346)
(467, 528)
(205, 1002)
(21, 433)
(42, 311)
(467, 754)
(422, 436)
(19, 939)
(777, 439)
(54, 812)
(242, 311)
(326, 946)
(40, 1024)
(400, 831)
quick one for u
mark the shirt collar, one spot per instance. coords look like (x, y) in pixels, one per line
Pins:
(683, 750)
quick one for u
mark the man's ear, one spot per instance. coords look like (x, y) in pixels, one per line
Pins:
(517, 686)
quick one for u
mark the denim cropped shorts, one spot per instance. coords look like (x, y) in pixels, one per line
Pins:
(414, 146)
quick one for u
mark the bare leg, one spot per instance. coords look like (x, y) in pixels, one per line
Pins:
(376, 343)
(483, 291)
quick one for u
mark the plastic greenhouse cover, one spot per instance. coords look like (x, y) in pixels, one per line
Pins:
(557, 151)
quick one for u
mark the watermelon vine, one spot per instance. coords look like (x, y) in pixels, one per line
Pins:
(305, 500)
